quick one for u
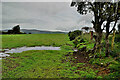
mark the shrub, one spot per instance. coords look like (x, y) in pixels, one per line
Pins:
(74, 34)
(78, 41)
(114, 67)
(113, 76)
(114, 53)
(117, 38)
(101, 62)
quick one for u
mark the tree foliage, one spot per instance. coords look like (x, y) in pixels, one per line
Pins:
(102, 11)
(16, 29)
(74, 34)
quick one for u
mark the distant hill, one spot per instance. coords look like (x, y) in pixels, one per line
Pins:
(34, 31)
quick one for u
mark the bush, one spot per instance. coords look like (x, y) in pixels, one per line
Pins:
(114, 67)
(114, 75)
(114, 53)
(101, 62)
(117, 38)
(76, 40)
(79, 41)
(74, 34)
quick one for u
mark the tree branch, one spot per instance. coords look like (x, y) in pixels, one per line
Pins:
(113, 26)
(103, 27)
(115, 18)
(92, 6)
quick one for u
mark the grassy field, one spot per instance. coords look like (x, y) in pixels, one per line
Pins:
(13, 41)
(50, 63)
(33, 64)
(44, 64)
(41, 63)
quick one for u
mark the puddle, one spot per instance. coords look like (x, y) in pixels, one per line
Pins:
(21, 49)
(4, 55)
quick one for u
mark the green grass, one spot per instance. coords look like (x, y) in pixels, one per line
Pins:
(33, 64)
(43, 64)
(19, 40)
(50, 63)
(39, 63)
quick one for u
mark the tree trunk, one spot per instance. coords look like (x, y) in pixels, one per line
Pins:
(99, 42)
(97, 26)
(106, 39)
(97, 46)
(98, 30)
(107, 45)
(113, 40)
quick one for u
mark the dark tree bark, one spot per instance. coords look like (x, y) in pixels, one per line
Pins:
(107, 39)
(107, 45)
(99, 35)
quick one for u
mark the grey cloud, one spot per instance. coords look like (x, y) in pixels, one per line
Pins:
(0, 15)
(43, 15)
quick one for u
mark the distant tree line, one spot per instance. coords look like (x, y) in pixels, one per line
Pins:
(14, 30)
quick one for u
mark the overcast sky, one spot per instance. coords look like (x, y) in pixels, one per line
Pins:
(43, 15)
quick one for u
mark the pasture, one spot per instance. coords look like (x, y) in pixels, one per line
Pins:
(51, 63)
(19, 40)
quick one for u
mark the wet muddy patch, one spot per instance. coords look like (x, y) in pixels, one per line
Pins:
(4, 52)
